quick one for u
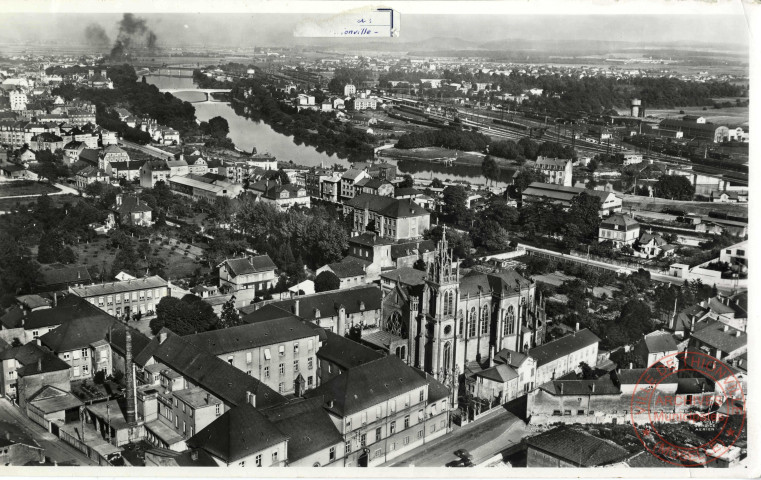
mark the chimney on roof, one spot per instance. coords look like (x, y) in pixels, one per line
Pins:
(631, 365)
(561, 388)
(577, 326)
(39, 364)
(593, 388)
(162, 337)
(726, 328)
(491, 355)
(737, 333)
(194, 455)
(296, 307)
(55, 299)
(208, 398)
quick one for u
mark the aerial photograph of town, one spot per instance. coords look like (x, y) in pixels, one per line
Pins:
(374, 239)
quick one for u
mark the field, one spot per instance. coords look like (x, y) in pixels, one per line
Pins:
(8, 203)
(25, 187)
(97, 256)
(733, 116)
(701, 208)
(435, 154)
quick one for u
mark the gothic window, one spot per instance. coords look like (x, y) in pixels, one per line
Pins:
(461, 329)
(485, 320)
(449, 302)
(472, 321)
(394, 324)
(510, 320)
(447, 356)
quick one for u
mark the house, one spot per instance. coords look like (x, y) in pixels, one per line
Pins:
(277, 352)
(718, 196)
(184, 389)
(284, 197)
(374, 186)
(18, 450)
(348, 181)
(619, 229)
(128, 297)
(27, 323)
(154, 171)
(556, 171)
(384, 408)
(64, 277)
(335, 311)
(111, 154)
(632, 159)
(537, 191)
(17, 172)
(178, 167)
(52, 405)
(81, 343)
(257, 273)
(72, 150)
(350, 274)
(338, 354)
(652, 244)
(313, 438)
(242, 437)
(522, 364)
(654, 347)
(90, 174)
(201, 186)
(558, 357)
(718, 340)
(690, 129)
(565, 447)
(390, 217)
(14, 358)
(130, 210)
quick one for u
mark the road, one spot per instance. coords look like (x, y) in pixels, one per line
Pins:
(55, 449)
(483, 438)
(147, 149)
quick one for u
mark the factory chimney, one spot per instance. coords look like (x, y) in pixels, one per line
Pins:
(129, 370)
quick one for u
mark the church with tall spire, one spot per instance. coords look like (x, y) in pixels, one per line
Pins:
(448, 317)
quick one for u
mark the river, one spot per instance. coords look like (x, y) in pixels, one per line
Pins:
(247, 134)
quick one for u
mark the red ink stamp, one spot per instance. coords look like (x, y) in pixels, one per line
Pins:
(707, 396)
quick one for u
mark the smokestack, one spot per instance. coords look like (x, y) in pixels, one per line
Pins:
(130, 413)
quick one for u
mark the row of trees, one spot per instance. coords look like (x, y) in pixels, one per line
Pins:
(447, 138)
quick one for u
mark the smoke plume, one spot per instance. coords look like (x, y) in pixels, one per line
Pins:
(132, 31)
(96, 36)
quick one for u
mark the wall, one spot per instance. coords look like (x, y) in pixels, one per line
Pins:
(31, 384)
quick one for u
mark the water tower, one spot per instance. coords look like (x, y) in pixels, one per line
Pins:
(636, 103)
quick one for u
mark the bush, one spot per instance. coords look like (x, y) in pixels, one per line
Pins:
(99, 378)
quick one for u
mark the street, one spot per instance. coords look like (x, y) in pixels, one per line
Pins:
(483, 438)
(55, 449)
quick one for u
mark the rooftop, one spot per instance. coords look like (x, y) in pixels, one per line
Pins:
(345, 353)
(119, 287)
(577, 447)
(563, 346)
(387, 206)
(366, 385)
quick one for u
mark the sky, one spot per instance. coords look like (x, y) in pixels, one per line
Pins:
(247, 30)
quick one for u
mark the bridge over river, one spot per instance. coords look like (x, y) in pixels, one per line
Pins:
(207, 91)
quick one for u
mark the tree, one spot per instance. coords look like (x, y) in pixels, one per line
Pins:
(230, 316)
(284, 178)
(675, 187)
(490, 235)
(50, 247)
(525, 177)
(99, 378)
(16, 342)
(436, 183)
(455, 208)
(184, 316)
(408, 182)
(420, 265)
(490, 169)
(326, 281)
